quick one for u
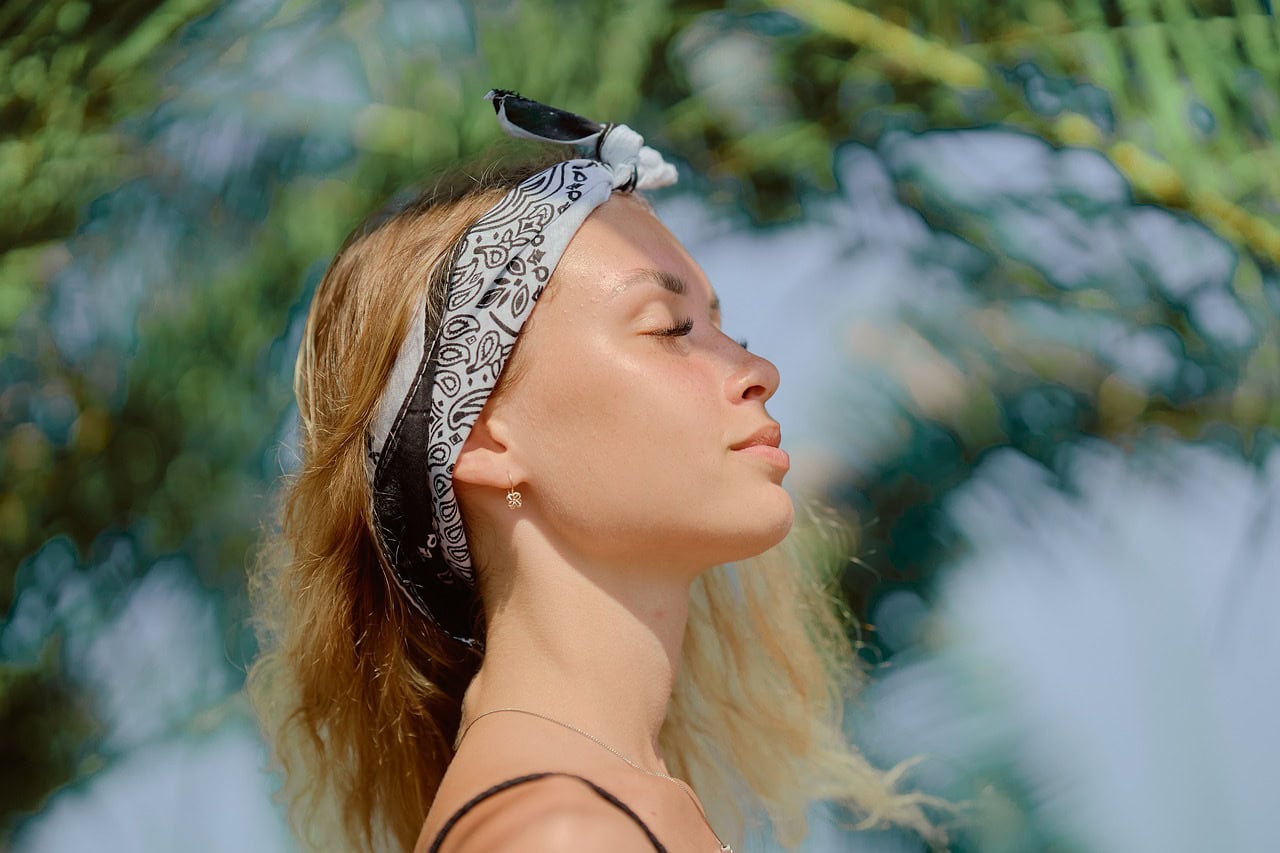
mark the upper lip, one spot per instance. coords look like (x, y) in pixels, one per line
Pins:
(770, 435)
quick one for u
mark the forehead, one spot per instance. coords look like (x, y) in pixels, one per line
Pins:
(621, 246)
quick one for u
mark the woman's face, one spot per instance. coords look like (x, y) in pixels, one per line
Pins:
(628, 401)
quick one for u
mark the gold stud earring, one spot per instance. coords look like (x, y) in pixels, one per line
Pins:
(513, 497)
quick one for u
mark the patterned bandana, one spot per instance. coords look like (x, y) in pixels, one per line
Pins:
(440, 383)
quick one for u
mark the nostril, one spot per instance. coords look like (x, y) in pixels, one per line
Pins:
(755, 379)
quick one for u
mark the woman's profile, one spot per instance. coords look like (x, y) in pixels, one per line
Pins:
(535, 584)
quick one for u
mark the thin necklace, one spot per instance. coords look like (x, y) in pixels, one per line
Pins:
(724, 846)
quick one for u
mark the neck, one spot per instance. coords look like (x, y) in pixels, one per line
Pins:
(589, 649)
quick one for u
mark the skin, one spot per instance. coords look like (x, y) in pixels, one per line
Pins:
(619, 440)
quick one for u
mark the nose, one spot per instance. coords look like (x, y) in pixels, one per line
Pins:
(755, 379)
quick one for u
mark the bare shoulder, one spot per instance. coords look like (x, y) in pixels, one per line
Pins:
(555, 814)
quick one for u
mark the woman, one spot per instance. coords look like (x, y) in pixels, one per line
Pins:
(531, 588)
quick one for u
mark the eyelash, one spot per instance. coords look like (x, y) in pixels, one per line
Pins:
(684, 328)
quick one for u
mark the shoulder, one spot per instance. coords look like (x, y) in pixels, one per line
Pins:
(547, 815)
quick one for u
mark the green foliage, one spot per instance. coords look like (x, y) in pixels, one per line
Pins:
(69, 72)
(1189, 97)
(173, 418)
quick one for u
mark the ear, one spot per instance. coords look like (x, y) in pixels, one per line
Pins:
(486, 458)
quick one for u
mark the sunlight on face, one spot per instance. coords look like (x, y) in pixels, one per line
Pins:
(630, 399)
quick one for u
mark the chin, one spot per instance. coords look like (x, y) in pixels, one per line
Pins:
(771, 521)
(782, 520)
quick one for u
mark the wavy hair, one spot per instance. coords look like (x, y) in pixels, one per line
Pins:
(360, 697)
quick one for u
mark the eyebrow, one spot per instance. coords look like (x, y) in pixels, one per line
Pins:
(662, 278)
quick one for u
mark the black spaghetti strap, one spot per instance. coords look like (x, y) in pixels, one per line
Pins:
(520, 780)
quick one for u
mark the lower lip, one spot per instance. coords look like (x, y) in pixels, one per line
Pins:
(775, 455)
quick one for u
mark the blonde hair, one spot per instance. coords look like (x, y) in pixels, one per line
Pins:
(360, 698)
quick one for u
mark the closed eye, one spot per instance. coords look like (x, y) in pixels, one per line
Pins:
(684, 327)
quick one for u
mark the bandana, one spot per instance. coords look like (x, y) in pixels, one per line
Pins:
(440, 382)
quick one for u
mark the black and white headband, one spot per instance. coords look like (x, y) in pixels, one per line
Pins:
(439, 384)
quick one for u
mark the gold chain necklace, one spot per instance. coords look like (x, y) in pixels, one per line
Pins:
(724, 846)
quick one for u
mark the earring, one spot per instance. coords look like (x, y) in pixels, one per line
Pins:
(513, 497)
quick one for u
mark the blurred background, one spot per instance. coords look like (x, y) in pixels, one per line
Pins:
(1018, 264)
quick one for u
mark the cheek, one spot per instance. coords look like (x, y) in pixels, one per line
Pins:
(604, 410)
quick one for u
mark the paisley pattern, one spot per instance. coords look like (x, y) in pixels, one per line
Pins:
(438, 387)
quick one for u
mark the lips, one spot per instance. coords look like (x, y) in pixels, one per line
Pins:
(769, 435)
(763, 443)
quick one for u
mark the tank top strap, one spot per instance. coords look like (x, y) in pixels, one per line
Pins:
(520, 780)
